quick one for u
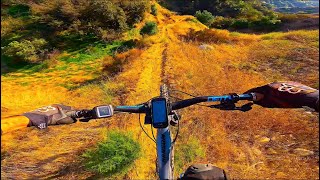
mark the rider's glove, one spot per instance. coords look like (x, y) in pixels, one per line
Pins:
(286, 95)
(49, 115)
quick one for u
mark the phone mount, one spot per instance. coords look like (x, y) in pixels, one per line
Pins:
(174, 117)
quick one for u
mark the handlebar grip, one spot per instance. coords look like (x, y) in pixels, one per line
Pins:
(257, 96)
(249, 97)
(81, 114)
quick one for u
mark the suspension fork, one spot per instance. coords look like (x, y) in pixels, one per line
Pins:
(165, 154)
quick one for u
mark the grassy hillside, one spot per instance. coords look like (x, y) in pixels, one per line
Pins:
(259, 144)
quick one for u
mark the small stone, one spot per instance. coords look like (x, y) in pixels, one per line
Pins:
(281, 174)
(303, 152)
(275, 137)
(264, 140)
(206, 47)
(271, 151)
(256, 151)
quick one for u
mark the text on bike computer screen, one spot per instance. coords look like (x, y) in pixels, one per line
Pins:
(159, 112)
(104, 111)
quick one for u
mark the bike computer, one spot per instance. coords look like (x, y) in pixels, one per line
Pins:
(103, 111)
(159, 113)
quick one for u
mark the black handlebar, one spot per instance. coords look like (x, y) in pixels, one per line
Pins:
(144, 108)
(188, 102)
(132, 109)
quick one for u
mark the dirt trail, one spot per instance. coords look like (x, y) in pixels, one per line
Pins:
(143, 78)
(149, 68)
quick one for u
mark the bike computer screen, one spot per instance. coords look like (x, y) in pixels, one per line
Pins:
(159, 113)
(103, 111)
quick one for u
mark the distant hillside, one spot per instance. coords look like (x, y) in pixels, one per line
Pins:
(294, 6)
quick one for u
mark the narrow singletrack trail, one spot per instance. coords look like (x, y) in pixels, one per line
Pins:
(143, 77)
(148, 70)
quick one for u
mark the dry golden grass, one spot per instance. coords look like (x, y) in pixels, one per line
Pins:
(31, 153)
(219, 36)
(232, 140)
(114, 65)
(289, 56)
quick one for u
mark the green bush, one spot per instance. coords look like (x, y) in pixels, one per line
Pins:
(113, 156)
(222, 22)
(26, 50)
(135, 10)
(106, 14)
(266, 23)
(205, 17)
(104, 18)
(154, 10)
(187, 153)
(19, 10)
(149, 28)
(240, 24)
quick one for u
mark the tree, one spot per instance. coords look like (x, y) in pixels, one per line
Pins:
(26, 50)
(205, 17)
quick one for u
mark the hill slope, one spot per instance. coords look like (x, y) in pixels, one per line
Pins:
(262, 143)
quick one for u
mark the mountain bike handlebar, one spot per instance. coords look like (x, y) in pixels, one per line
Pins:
(159, 112)
(143, 108)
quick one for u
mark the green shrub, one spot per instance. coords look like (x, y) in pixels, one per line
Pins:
(205, 17)
(240, 23)
(266, 23)
(222, 22)
(19, 10)
(104, 18)
(187, 153)
(106, 14)
(113, 156)
(135, 10)
(149, 28)
(26, 50)
(154, 10)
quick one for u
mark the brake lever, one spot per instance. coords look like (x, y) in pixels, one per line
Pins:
(230, 106)
(85, 119)
(174, 118)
